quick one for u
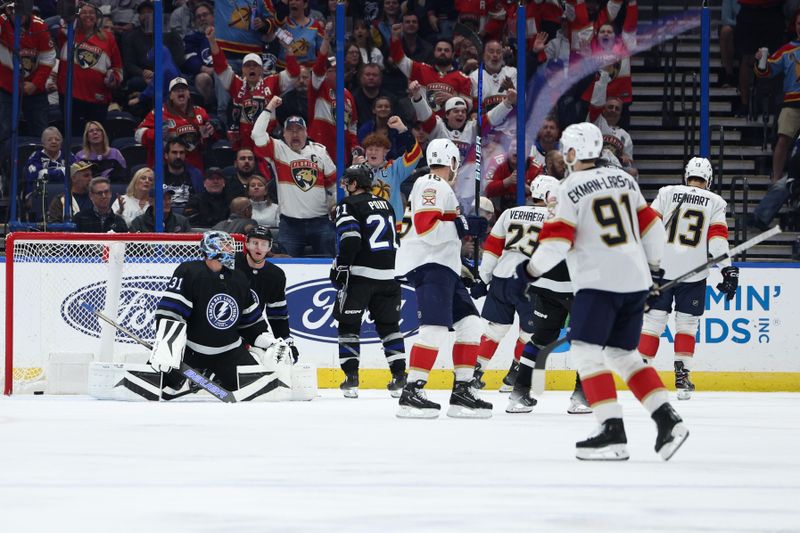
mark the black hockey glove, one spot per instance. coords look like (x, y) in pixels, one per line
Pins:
(479, 289)
(462, 226)
(478, 226)
(339, 276)
(658, 279)
(730, 281)
(520, 284)
(293, 348)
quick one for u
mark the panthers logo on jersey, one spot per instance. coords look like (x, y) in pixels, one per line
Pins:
(189, 134)
(252, 107)
(381, 189)
(305, 174)
(432, 89)
(300, 47)
(240, 18)
(222, 311)
(87, 58)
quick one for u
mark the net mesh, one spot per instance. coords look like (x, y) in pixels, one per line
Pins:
(57, 283)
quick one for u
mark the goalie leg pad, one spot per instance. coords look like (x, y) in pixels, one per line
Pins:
(304, 382)
(169, 345)
(126, 382)
(262, 384)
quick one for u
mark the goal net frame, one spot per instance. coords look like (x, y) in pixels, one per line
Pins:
(120, 257)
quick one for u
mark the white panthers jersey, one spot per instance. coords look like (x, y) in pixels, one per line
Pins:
(606, 230)
(428, 234)
(695, 229)
(492, 95)
(511, 241)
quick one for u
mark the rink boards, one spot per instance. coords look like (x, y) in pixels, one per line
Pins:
(750, 343)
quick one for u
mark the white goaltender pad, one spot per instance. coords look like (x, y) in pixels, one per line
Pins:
(171, 336)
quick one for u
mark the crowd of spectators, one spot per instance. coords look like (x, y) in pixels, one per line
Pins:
(250, 105)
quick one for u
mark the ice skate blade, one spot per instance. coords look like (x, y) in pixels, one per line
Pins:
(506, 388)
(518, 408)
(612, 452)
(578, 409)
(679, 435)
(459, 411)
(684, 394)
(406, 411)
(350, 393)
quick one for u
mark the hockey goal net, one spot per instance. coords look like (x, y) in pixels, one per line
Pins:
(50, 279)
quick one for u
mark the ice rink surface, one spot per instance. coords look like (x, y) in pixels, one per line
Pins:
(71, 464)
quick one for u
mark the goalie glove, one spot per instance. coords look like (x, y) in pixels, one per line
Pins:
(270, 351)
(730, 282)
(170, 343)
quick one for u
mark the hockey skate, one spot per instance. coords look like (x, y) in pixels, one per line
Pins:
(608, 443)
(671, 431)
(682, 383)
(477, 377)
(349, 386)
(577, 402)
(396, 385)
(511, 377)
(520, 400)
(415, 404)
(465, 404)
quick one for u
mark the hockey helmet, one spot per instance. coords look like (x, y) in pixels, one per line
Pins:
(361, 175)
(260, 232)
(543, 187)
(585, 138)
(218, 245)
(699, 167)
(443, 152)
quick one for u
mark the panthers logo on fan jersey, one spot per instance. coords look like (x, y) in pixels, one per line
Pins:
(189, 134)
(222, 311)
(300, 47)
(240, 18)
(381, 189)
(252, 107)
(87, 57)
(431, 91)
(305, 174)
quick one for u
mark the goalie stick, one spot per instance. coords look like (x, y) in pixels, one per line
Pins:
(538, 381)
(188, 372)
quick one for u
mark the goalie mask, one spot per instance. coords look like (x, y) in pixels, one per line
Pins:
(699, 167)
(220, 246)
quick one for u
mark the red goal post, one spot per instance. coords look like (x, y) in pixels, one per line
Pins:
(50, 275)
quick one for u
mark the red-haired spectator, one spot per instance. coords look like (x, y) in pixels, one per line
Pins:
(251, 91)
(37, 57)
(182, 119)
(441, 81)
(322, 103)
(98, 69)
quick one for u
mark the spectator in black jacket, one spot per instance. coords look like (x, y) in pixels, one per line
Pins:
(137, 43)
(99, 219)
(173, 222)
(210, 206)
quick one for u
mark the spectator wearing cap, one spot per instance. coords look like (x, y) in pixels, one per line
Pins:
(307, 34)
(81, 175)
(250, 92)
(440, 81)
(209, 206)
(99, 218)
(179, 176)
(109, 162)
(97, 72)
(265, 212)
(240, 219)
(322, 103)
(46, 163)
(37, 62)
(138, 42)
(388, 176)
(306, 179)
(137, 196)
(182, 119)
(173, 222)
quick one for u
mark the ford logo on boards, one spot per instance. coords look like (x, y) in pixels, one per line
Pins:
(311, 313)
(138, 298)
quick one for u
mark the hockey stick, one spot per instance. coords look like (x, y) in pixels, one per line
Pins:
(538, 381)
(188, 372)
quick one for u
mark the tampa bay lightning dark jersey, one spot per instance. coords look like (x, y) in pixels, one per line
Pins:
(218, 307)
(367, 236)
(269, 287)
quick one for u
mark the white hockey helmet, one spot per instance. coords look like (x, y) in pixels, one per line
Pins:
(585, 138)
(699, 167)
(543, 187)
(443, 152)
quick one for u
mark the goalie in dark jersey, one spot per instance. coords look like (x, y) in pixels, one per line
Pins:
(207, 317)
(363, 273)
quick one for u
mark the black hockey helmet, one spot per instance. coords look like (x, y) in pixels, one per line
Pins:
(260, 232)
(360, 174)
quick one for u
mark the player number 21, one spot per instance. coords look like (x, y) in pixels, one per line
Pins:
(382, 236)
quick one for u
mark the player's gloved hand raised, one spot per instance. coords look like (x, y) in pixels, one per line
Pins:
(478, 226)
(658, 280)
(479, 289)
(730, 282)
(339, 276)
(293, 348)
(521, 282)
(462, 226)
